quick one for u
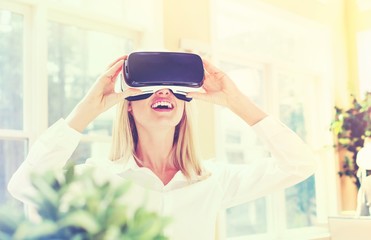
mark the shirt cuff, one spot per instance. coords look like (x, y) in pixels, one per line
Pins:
(60, 130)
(58, 140)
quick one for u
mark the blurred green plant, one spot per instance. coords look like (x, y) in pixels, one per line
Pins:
(351, 127)
(78, 207)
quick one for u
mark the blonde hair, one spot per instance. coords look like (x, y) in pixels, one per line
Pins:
(125, 139)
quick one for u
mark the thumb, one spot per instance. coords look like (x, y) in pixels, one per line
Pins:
(115, 98)
(131, 92)
(198, 95)
(214, 98)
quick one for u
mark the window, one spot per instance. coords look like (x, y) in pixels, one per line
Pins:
(278, 60)
(76, 57)
(295, 103)
(11, 77)
(13, 140)
(240, 145)
(51, 52)
(364, 61)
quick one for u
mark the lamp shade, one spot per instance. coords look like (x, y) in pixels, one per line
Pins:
(364, 155)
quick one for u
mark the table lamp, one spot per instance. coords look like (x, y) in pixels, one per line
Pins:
(364, 163)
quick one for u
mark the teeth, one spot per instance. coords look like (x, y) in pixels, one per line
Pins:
(162, 103)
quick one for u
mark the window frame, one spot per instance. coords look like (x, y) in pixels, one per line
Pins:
(276, 210)
(25, 133)
(36, 15)
(326, 182)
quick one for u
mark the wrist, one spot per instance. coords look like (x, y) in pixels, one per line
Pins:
(246, 109)
(80, 117)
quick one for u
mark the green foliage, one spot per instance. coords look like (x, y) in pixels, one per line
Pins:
(351, 127)
(78, 207)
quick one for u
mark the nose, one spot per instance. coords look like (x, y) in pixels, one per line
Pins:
(163, 92)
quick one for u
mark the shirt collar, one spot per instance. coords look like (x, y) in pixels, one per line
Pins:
(121, 167)
(131, 164)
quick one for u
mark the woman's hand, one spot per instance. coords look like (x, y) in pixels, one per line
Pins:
(100, 97)
(221, 90)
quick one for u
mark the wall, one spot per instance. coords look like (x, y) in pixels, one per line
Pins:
(357, 20)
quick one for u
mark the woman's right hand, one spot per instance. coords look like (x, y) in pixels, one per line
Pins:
(100, 97)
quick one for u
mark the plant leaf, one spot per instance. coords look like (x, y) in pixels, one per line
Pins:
(82, 219)
(29, 230)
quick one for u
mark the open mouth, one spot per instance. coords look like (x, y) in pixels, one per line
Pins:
(162, 105)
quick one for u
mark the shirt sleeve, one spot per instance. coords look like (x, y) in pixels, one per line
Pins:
(50, 151)
(291, 162)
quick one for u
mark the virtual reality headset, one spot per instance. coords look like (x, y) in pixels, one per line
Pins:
(152, 71)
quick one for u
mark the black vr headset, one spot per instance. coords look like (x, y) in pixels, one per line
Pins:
(152, 71)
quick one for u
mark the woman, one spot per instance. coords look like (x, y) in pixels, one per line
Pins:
(153, 147)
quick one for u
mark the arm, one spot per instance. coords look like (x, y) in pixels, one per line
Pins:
(99, 98)
(221, 90)
(56, 145)
(292, 161)
(51, 151)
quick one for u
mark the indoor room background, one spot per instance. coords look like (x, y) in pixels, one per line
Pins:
(296, 59)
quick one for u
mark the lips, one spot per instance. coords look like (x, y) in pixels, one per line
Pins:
(162, 105)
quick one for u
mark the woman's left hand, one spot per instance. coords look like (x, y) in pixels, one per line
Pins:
(219, 88)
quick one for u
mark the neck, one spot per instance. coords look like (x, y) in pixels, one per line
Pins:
(154, 151)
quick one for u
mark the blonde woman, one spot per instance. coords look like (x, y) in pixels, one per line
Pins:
(153, 147)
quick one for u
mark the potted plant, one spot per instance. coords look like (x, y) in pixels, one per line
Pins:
(351, 127)
(77, 206)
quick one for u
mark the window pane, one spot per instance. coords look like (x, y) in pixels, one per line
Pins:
(84, 150)
(11, 70)
(76, 57)
(108, 7)
(248, 218)
(295, 99)
(12, 154)
(240, 145)
(301, 204)
(128, 12)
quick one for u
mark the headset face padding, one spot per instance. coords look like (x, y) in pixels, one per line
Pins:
(147, 95)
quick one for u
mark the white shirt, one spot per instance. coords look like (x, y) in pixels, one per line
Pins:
(193, 207)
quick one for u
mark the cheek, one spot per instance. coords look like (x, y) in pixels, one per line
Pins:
(180, 110)
(136, 109)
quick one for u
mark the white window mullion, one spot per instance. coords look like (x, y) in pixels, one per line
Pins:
(271, 216)
(90, 21)
(25, 12)
(27, 74)
(277, 214)
(37, 80)
(13, 134)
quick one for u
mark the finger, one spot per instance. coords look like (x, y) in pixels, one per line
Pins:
(198, 95)
(131, 92)
(207, 74)
(114, 98)
(115, 68)
(209, 67)
(118, 59)
(111, 74)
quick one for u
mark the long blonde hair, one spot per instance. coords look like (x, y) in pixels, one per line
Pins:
(125, 139)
